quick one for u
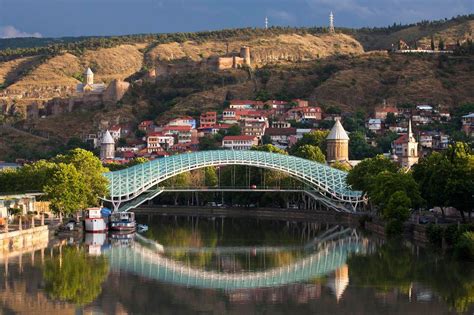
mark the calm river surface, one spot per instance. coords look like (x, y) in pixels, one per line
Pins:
(239, 266)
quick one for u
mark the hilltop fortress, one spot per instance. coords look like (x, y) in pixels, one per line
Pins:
(214, 63)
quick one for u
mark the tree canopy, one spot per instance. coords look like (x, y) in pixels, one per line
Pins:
(310, 152)
(362, 175)
(447, 178)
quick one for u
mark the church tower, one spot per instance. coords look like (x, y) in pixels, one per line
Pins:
(89, 76)
(409, 149)
(337, 144)
(107, 147)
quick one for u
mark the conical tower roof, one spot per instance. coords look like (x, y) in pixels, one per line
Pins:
(89, 71)
(107, 138)
(337, 132)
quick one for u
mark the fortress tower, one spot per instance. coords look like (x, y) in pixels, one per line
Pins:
(337, 144)
(89, 76)
(107, 147)
(245, 53)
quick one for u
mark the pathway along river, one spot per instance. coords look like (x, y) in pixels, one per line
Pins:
(237, 266)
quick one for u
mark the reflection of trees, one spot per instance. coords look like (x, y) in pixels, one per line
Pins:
(75, 276)
(394, 266)
(199, 232)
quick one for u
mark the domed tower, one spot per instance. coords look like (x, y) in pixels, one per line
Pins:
(89, 76)
(337, 144)
(245, 53)
(107, 147)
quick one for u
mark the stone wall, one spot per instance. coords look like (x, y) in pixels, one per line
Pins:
(23, 239)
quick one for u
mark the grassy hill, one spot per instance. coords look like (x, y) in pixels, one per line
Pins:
(329, 70)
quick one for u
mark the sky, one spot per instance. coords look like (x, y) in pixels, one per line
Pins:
(58, 18)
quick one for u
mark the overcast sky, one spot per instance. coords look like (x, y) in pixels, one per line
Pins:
(56, 18)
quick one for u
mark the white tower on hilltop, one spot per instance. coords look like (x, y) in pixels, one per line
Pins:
(266, 23)
(331, 23)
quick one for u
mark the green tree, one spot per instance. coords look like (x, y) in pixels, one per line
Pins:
(359, 148)
(441, 45)
(315, 138)
(432, 43)
(66, 190)
(211, 179)
(269, 148)
(234, 130)
(386, 183)
(390, 119)
(311, 152)
(447, 179)
(396, 212)
(207, 143)
(341, 166)
(363, 174)
(75, 277)
(92, 172)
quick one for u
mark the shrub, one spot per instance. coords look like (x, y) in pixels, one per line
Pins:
(435, 234)
(464, 247)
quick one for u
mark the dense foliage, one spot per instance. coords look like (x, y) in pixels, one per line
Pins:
(71, 182)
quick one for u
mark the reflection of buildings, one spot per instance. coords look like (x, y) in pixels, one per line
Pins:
(297, 293)
(339, 282)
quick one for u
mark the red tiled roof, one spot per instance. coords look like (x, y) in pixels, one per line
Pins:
(280, 131)
(146, 123)
(177, 128)
(402, 139)
(239, 138)
(389, 109)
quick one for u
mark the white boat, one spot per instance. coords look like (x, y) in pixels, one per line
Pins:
(123, 222)
(94, 222)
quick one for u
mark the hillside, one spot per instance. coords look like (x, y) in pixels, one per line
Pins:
(327, 69)
(265, 50)
(458, 28)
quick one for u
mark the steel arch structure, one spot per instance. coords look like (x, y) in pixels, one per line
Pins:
(330, 183)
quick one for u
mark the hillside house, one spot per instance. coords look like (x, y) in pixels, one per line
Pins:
(147, 126)
(157, 141)
(374, 124)
(382, 112)
(239, 142)
(281, 124)
(246, 104)
(468, 124)
(208, 119)
(280, 137)
(182, 133)
(183, 121)
(304, 114)
(254, 128)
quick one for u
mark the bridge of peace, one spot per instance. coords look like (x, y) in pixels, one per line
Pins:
(133, 186)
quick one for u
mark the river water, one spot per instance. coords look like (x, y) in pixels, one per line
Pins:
(239, 266)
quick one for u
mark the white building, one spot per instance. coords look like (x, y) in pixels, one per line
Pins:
(239, 142)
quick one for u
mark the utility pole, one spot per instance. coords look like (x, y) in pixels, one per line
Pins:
(331, 23)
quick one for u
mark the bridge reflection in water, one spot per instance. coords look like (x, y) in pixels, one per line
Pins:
(324, 257)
